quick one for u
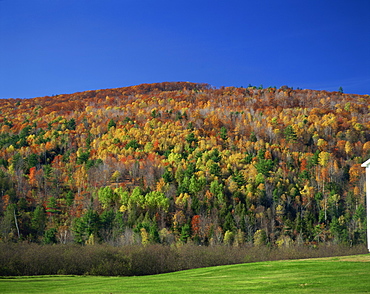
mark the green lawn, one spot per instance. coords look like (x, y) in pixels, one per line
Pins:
(330, 275)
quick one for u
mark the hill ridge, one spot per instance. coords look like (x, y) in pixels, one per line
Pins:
(179, 161)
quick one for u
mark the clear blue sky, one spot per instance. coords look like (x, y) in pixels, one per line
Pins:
(64, 46)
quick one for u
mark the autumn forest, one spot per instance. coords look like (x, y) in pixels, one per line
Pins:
(176, 163)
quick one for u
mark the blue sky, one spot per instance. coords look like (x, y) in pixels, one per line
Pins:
(50, 47)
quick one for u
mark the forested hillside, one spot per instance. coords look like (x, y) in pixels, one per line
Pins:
(183, 162)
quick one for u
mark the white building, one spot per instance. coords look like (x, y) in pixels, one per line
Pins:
(366, 165)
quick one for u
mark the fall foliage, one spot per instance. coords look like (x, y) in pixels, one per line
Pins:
(180, 162)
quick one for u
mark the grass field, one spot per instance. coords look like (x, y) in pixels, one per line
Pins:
(349, 274)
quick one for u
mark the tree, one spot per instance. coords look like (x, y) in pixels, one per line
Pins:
(144, 236)
(85, 226)
(32, 160)
(50, 236)
(260, 238)
(264, 166)
(229, 237)
(223, 133)
(8, 225)
(215, 169)
(71, 124)
(111, 123)
(107, 197)
(155, 201)
(324, 158)
(290, 134)
(132, 144)
(217, 191)
(168, 176)
(196, 184)
(52, 206)
(190, 138)
(185, 233)
(38, 221)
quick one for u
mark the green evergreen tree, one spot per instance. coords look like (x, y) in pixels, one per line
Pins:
(290, 134)
(50, 236)
(185, 233)
(223, 133)
(38, 221)
(111, 123)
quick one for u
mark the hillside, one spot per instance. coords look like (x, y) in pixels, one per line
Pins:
(180, 162)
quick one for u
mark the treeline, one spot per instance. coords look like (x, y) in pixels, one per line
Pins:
(101, 260)
(173, 163)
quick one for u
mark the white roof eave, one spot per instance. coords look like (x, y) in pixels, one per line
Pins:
(366, 163)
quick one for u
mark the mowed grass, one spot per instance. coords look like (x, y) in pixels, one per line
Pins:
(349, 274)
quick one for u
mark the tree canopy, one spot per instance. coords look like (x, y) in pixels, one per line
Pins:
(180, 162)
